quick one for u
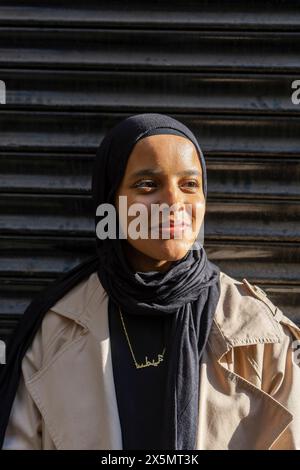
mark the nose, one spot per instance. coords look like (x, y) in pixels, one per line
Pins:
(171, 195)
(174, 199)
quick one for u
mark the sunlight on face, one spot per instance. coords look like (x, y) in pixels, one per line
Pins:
(165, 169)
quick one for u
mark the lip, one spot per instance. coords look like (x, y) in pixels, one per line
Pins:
(171, 226)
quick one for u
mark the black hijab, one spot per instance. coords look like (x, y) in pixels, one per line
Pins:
(189, 290)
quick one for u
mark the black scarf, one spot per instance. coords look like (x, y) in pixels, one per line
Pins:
(189, 290)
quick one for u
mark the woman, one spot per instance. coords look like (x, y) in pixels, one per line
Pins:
(148, 345)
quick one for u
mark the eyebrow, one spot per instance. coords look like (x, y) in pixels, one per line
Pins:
(152, 172)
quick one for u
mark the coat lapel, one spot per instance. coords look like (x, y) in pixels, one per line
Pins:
(241, 321)
(75, 392)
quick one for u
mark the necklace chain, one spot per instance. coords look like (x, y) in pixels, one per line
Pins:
(147, 363)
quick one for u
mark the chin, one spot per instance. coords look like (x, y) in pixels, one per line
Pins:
(168, 250)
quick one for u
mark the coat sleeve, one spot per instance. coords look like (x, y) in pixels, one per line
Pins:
(25, 426)
(24, 431)
(280, 370)
(282, 381)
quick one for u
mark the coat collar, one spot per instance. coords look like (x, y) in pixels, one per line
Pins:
(241, 317)
(82, 303)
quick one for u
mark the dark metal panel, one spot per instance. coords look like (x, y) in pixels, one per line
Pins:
(7, 327)
(41, 172)
(253, 220)
(190, 14)
(159, 92)
(217, 134)
(248, 177)
(262, 262)
(73, 70)
(113, 49)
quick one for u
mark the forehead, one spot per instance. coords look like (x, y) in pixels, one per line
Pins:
(163, 150)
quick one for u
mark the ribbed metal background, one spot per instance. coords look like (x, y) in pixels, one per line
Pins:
(73, 69)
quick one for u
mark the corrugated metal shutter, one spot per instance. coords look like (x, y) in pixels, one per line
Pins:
(73, 69)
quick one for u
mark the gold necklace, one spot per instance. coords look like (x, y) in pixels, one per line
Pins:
(147, 363)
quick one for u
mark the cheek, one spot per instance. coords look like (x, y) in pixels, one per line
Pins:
(128, 211)
(134, 201)
(198, 212)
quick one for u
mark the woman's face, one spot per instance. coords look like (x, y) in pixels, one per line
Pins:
(164, 169)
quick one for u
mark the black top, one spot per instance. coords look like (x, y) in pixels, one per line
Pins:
(140, 392)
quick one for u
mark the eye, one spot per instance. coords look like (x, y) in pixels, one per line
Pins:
(148, 184)
(192, 184)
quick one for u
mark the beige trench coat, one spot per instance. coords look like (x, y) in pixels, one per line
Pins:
(249, 380)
